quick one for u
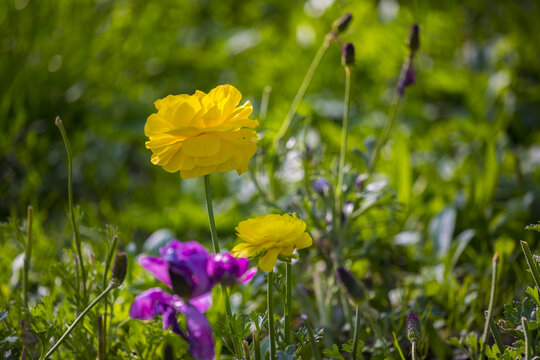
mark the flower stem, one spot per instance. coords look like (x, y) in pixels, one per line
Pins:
(344, 135)
(413, 349)
(74, 223)
(531, 262)
(288, 307)
(104, 283)
(101, 337)
(491, 301)
(79, 318)
(270, 303)
(356, 332)
(256, 345)
(215, 244)
(527, 336)
(302, 90)
(374, 158)
(27, 256)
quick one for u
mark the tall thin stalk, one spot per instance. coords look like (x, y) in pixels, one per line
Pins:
(356, 333)
(527, 335)
(27, 256)
(494, 263)
(302, 89)
(270, 305)
(288, 305)
(74, 223)
(344, 136)
(104, 283)
(531, 262)
(79, 318)
(215, 244)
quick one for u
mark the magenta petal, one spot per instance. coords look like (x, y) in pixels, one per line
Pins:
(158, 267)
(202, 303)
(149, 303)
(248, 275)
(199, 333)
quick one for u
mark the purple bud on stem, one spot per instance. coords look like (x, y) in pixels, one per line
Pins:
(414, 38)
(414, 329)
(341, 24)
(119, 269)
(347, 55)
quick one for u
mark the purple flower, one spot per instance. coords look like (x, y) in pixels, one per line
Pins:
(155, 301)
(191, 272)
(227, 269)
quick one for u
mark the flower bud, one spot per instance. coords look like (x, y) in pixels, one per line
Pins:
(341, 24)
(414, 329)
(119, 269)
(414, 38)
(347, 55)
(352, 286)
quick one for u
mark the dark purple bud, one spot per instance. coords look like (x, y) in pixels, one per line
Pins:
(119, 269)
(321, 186)
(353, 288)
(341, 24)
(414, 38)
(414, 329)
(347, 55)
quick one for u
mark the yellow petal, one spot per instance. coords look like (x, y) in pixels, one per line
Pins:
(267, 262)
(202, 145)
(244, 250)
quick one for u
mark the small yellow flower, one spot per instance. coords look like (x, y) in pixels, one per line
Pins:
(202, 133)
(272, 235)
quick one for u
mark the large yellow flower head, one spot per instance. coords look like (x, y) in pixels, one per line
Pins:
(202, 133)
(270, 236)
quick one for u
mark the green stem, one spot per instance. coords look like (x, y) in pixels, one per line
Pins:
(374, 158)
(288, 307)
(527, 335)
(344, 135)
(413, 349)
(356, 332)
(79, 318)
(104, 283)
(215, 244)
(101, 337)
(74, 223)
(270, 303)
(532, 263)
(256, 345)
(302, 90)
(27, 256)
(491, 301)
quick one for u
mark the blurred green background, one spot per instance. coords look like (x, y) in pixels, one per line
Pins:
(463, 157)
(466, 136)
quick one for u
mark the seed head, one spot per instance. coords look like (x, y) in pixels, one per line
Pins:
(119, 269)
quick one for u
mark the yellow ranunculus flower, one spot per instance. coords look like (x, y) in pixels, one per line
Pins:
(272, 235)
(202, 133)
